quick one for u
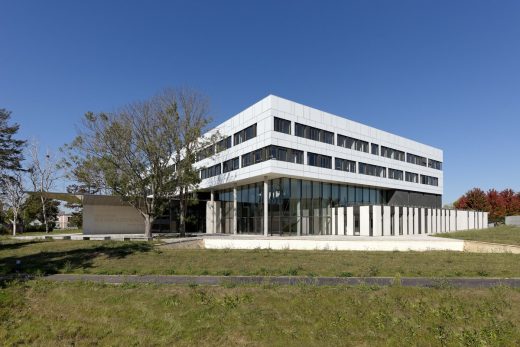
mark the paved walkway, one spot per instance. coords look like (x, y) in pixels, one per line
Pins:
(455, 282)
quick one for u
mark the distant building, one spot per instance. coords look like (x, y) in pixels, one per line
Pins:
(63, 221)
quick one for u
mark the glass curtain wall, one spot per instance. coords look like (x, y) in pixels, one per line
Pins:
(250, 209)
(296, 207)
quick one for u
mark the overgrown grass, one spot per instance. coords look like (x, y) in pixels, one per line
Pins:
(111, 257)
(505, 234)
(86, 314)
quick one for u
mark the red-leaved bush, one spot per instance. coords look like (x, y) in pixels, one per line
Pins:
(498, 204)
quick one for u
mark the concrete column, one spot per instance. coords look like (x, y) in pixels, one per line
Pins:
(333, 221)
(298, 218)
(350, 221)
(377, 229)
(364, 221)
(453, 220)
(213, 211)
(485, 219)
(235, 226)
(462, 220)
(416, 221)
(341, 220)
(266, 208)
(430, 221)
(396, 221)
(438, 221)
(218, 212)
(386, 221)
(481, 220)
(405, 220)
(422, 215)
(471, 220)
(442, 222)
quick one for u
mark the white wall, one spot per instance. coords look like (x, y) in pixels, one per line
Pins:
(377, 220)
(104, 219)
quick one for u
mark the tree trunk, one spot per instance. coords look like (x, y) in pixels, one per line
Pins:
(44, 212)
(148, 221)
(14, 224)
(182, 214)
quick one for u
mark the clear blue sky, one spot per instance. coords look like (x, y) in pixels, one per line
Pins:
(446, 73)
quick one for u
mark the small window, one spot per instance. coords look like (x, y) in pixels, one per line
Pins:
(282, 125)
(375, 149)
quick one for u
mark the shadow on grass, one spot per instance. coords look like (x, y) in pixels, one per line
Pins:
(16, 244)
(45, 263)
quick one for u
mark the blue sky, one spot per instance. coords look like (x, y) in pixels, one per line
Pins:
(446, 73)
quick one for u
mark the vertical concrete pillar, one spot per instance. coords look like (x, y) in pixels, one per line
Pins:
(453, 220)
(334, 227)
(218, 212)
(235, 227)
(213, 211)
(485, 219)
(481, 220)
(209, 220)
(438, 220)
(416, 220)
(462, 220)
(341, 220)
(422, 215)
(377, 229)
(405, 220)
(396, 221)
(350, 221)
(471, 220)
(364, 221)
(428, 220)
(266, 208)
(434, 220)
(298, 218)
(386, 221)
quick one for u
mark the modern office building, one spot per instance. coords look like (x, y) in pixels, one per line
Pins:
(282, 168)
(303, 164)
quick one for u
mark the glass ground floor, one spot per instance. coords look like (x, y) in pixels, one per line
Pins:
(295, 206)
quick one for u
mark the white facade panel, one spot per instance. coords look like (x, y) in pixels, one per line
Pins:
(405, 220)
(462, 220)
(341, 220)
(416, 220)
(397, 221)
(386, 221)
(377, 229)
(422, 215)
(471, 220)
(364, 221)
(350, 221)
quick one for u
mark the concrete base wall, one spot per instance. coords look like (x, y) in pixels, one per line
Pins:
(106, 219)
(421, 244)
(512, 220)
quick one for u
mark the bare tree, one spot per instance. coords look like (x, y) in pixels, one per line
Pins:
(145, 152)
(43, 175)
(14, 195)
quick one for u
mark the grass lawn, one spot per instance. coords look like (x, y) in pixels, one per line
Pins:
(505, 234)
(112, 257)
(85, 314)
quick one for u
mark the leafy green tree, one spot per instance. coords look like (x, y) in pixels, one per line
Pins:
(144, 153)
(11, 149)
(31, 210)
